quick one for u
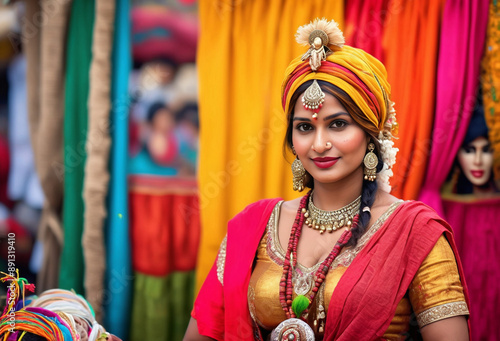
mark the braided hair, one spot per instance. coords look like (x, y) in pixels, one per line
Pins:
(368, 194)
(369, 190)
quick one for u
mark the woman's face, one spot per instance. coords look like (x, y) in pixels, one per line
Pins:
(163, 121)
(331, 147)
(476, 160)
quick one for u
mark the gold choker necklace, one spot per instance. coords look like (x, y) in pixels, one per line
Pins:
(330, 221)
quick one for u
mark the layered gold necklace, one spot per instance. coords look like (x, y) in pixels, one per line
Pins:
(330, 221)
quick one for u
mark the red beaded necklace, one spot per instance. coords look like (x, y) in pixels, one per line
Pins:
(286, 287)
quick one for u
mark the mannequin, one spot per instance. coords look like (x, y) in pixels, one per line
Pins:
(475, 159)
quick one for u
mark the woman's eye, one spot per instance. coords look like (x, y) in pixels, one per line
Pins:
(469, 150)
(303, 127)
(487, 149)
(338, 124)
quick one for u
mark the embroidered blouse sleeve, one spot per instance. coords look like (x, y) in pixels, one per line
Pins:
(208, 310)
(436, 292)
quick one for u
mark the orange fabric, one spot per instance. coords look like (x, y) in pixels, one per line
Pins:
(411, 40)
(164, 225)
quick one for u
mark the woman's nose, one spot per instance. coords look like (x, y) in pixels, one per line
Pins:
(321, 143)
(478, 157)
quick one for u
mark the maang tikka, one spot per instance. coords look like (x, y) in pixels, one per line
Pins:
(313, 98)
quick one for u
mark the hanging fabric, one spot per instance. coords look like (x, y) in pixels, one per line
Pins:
(243, 52)
(95, 186)
(43, 40)
(118, 253)
(457, 84)
(490, 81)
(78, 57)
(411, 45)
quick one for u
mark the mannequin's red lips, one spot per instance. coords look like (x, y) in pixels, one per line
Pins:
(477, 173)
(325, 162)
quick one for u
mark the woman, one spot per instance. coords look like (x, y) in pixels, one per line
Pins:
(162, 143)
(347, 261)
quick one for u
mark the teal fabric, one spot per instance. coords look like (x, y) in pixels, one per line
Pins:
(162, 306)
(142, 163)
(78, 60)
(118, 261)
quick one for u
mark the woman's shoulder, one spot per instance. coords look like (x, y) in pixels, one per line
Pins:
(385, 200)
(251, 221)
(257, 208)
(291, 205)
(404, 210)
(382, 204)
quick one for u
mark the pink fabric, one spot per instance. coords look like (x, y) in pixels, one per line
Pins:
(462, 39)
(477, 235)
(363, 303)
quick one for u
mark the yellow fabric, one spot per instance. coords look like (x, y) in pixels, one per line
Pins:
(437, 282)
(366, 67)
(243, 51)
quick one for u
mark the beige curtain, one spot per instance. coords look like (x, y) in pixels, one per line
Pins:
(43, 39)
(95, 188)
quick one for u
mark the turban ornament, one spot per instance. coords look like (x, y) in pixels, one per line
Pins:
(317, 35)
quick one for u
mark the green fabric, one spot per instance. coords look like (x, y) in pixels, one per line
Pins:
(78, 60)
(162, 306)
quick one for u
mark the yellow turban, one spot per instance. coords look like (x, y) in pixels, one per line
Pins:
(359, 74)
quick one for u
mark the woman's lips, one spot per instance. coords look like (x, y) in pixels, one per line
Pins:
(325, 162)
(477, 173)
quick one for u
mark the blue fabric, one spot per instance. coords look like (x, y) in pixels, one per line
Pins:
(152, 33)
(119, 267)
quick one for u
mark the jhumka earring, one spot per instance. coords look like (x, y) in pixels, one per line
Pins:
(299, 175)
(370, 161)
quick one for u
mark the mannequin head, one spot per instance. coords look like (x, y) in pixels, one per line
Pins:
(476, 161)
(475, 157)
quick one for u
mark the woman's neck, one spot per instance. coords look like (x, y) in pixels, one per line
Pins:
(335, 195)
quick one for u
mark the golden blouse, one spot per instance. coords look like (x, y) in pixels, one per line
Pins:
(434, 294)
